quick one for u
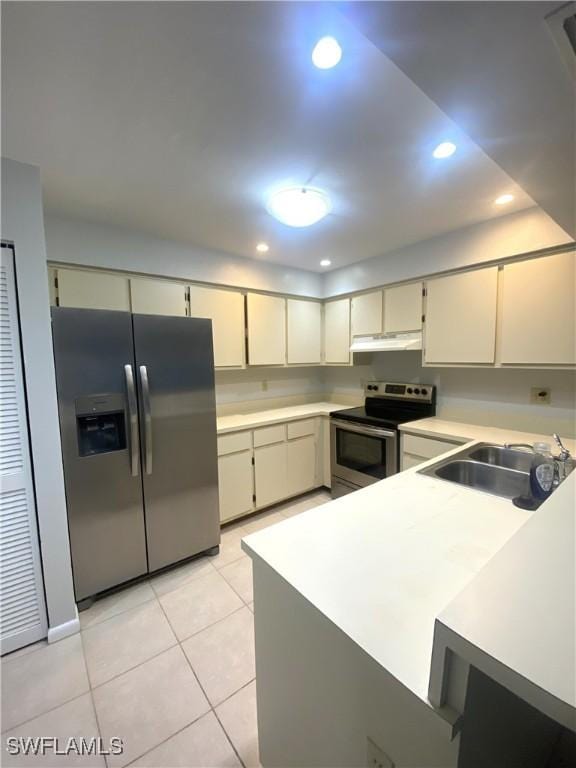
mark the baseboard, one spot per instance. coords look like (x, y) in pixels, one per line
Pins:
(60, 631)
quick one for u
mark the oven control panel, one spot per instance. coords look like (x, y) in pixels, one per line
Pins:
(394, 390)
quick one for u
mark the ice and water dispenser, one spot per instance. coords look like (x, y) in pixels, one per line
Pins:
(100, 424)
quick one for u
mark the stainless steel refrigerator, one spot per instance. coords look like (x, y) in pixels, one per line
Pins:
(138, 426)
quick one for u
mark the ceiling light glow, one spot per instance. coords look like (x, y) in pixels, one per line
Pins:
(262, 247)
(325, 263)
(327, 53)
(504, 199)
(446, 149)
(299, 206)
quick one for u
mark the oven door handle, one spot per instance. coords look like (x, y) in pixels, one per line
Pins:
(364, 429)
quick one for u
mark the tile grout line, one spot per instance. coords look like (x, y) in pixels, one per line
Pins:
(212, 709)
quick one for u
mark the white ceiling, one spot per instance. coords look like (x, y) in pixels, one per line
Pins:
(179, 119)
(497, 70)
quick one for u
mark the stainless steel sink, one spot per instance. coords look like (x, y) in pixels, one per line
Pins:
(499, 481)
(485, 467)
(502, 457)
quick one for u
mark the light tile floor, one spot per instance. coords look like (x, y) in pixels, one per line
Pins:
(166, 665)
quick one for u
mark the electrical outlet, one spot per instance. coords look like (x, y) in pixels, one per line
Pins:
(377, 758)
(264, 386)
(540, 395)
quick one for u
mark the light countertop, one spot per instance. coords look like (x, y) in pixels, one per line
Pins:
(238, 421)
(384, 562)
(515, 621)
(454, 430)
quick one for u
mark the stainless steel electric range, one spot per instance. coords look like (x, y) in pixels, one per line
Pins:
(364, 442)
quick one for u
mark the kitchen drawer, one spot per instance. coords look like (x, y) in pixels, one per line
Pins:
(269, 435)
(409, 461)
(301, 428)
(426, 447)
(234, 442)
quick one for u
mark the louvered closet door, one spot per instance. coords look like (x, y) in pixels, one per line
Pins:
(22, 608)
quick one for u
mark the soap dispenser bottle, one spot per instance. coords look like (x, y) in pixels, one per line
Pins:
(542, 474)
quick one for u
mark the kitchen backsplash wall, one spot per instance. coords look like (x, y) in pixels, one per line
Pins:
(255, 389)
(495, 397)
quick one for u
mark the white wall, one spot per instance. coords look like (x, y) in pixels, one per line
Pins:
(91, 244)
(495, 397)
(22, 222)
(519, 233)
(260, 388)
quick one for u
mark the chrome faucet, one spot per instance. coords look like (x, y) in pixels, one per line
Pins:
(564, 462)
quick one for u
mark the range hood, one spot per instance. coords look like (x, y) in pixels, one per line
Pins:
(385, 342)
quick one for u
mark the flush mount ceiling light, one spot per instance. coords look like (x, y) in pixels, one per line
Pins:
(262, 247)
(504, 199)
(327, 53)
(446, 149)
(325, 263)
(299, 206)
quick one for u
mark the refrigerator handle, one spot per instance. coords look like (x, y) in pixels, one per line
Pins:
(147, 419)
(132, 419)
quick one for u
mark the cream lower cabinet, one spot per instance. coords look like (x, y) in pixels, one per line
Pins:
(270, 474)
(416, 449)
(235, 485)
(226, 310)
(301, 461)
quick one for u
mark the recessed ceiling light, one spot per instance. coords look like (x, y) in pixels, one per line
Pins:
(503, 199)
(262, 247)
(325, 263)
(446, 149)
(327, 53)
(299, 206)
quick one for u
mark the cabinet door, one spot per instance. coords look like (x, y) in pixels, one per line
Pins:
(538, 317)
(226, 310)
(337, 331)
(92, 290)
(304, 331)
(158, 297)
(367, 313)
(403, 308)
(266, 329)
(270, 474)
(301, 464)
(235, 484)
(461, 318)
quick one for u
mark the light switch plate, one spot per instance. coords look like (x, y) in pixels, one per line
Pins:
(376, 757)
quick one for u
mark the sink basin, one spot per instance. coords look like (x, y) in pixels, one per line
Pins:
(497, 480)
(502, 457)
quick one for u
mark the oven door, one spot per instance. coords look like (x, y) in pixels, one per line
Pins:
(362, 454)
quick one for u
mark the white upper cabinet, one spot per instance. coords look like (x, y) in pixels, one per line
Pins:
(266, 329)
(337, 331)
(367, 313)
(226, 310)
(158, 297)
(538, 316)
(403, 308)
(304, 320)
(461, 318)
(92, 290)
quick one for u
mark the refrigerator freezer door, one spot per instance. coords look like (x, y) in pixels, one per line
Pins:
(94, 358)
(175, 372)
